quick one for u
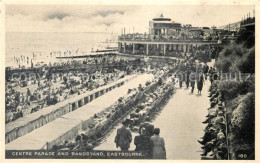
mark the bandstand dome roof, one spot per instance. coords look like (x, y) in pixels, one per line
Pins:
(161, 18)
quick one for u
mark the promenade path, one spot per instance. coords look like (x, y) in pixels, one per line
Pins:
(180, 123)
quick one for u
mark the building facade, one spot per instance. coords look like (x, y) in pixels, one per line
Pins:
(165, 36)
(163, 25)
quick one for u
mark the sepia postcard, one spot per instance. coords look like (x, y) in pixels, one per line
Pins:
(121, 80)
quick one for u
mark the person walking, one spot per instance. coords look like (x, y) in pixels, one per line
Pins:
(123, 137)
(143, 141)
(180, 78)
(158, 145)
(205, 70)
(200, 82)
(192, 78)
(187, 79)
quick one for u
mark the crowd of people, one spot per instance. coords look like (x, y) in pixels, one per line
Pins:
(196, 34)
(148, 141)
(25, 96)
(30, 61)
(152, 97)
(202, 52)
(214, 141)
(53, 58)
(95, 60)
(100, 123)
(194, 74)
(85, 140)
(48, 92)
(56, 86)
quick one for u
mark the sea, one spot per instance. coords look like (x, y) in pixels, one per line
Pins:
(44, 47)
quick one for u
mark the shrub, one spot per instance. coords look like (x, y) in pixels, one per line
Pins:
(246, 37)
(246, 64)
(223, 64)
(232, 89)
(233, 49)
(243, 119)
(235, 57)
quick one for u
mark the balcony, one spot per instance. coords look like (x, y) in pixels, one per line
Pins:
(167, 39)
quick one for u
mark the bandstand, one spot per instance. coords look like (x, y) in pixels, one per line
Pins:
(164, 36)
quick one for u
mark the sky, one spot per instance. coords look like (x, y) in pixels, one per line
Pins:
(113, 18)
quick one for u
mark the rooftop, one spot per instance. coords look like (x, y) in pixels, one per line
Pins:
(161, 18)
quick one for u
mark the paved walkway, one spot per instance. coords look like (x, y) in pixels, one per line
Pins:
(180, 124)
